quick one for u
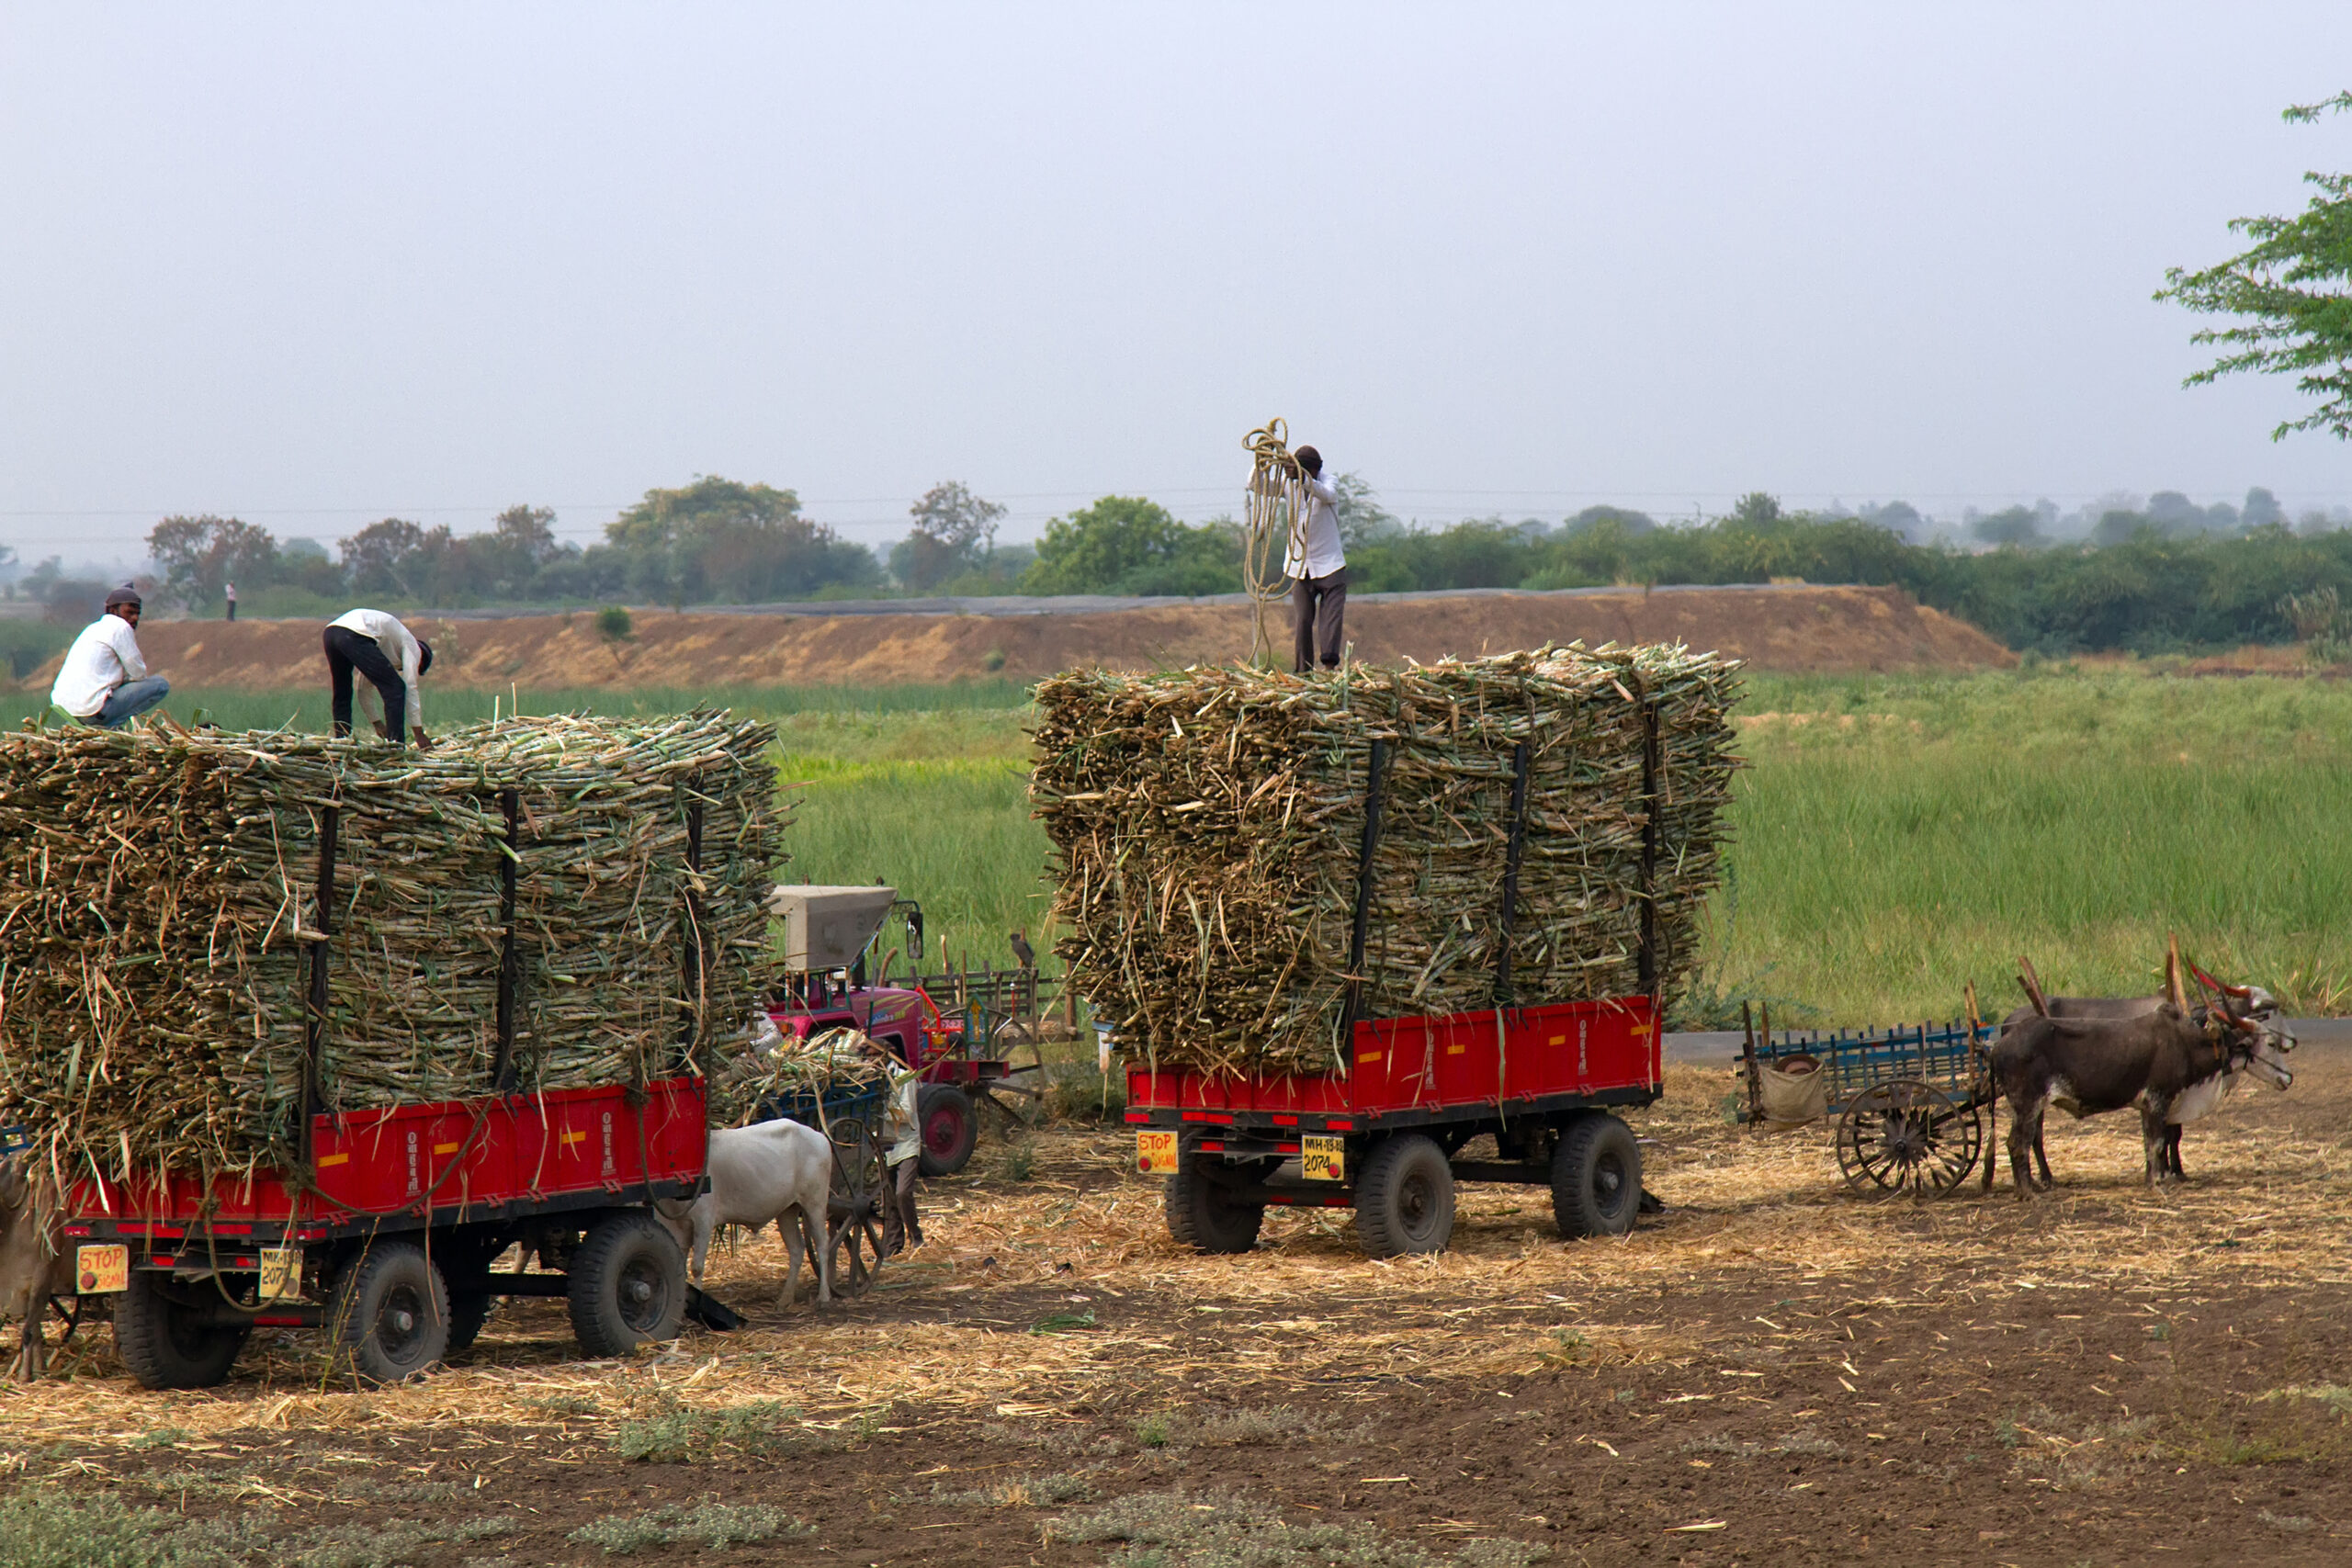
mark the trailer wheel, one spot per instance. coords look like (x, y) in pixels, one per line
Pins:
(628, 1285)
(165, 1339)
(1595, 1178)
(1203, 1212)
(1404, 1198)
(950, 1128)
(391, 1312)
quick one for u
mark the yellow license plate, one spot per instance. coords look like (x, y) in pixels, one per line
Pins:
(102, 1266)
(281, 1273)
(1322, 1157)
(1156, 1153)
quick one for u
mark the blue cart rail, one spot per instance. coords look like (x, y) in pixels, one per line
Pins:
(860, 1103)
(1949, 1055)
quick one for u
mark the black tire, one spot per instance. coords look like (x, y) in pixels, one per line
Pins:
(391, 1312)
(1202, 1214)
(950, 1128)
(469, 1310)
(1404, 1198)
(628, 1285)
(1595, 1178)
(160, 1335)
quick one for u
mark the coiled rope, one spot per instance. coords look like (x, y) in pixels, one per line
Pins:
(1275, 515)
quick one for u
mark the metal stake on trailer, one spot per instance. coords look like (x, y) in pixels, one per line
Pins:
(510, 962)
(1374, 774)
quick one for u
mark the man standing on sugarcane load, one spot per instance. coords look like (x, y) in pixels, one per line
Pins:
(1318, 569)
(394, 659)
(104, 681)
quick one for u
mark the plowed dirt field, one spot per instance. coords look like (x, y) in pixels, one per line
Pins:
(1787, 628)
(1771, 1371)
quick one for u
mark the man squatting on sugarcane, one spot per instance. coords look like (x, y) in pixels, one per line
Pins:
(104, 681)
(394, 659)
(1318, 569)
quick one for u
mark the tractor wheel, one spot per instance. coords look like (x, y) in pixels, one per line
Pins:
(629, 1284)
(391, 1312)
(164, 1340)
(1404, 1198)
(1595, 1178)
(1201, 1211)
(950, 1128)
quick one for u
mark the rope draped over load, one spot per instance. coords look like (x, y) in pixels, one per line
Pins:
(1276, 514)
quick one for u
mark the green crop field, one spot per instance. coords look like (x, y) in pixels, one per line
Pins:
(1895, 836)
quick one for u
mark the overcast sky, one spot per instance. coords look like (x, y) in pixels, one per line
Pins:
(319, 264)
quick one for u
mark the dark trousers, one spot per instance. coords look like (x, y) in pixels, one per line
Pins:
(900, 1227)
(346, 651)
(233, 609)
(1317, 605)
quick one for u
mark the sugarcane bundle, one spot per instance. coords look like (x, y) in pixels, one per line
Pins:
(159, 899)
(1209, 824)
(774, 1069)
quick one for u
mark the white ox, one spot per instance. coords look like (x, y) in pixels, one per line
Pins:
(772, 1170)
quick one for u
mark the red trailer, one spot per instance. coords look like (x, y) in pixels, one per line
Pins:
(387, 1240)
(1385, 1137)
(383, 1227)
(1381, 1135)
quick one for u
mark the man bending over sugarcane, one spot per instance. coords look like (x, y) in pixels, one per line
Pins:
(1318, 569)
(104, 680)
(394, 659)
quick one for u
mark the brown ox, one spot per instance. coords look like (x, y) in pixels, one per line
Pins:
(2154, 1061)
(33, 1266)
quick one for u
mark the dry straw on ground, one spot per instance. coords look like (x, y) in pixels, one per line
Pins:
(159, 899)
(1208, 826)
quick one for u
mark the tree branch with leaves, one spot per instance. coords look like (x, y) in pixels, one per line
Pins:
(2294, 289)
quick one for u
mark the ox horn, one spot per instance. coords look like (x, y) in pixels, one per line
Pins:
(2031, 983)
(2173, 992)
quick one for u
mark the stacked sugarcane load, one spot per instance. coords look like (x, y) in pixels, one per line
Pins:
(1208, 825)
(778, 1071)
(159, 897)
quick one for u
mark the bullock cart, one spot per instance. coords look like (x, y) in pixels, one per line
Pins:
(852, 1117)
(1386, 1137)
(1910, 1102)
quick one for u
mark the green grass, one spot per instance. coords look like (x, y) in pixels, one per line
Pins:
(1914, 834)
(306, 707)
(1911, 834)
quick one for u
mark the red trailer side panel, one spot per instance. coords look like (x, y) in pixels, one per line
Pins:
(1457, 1061)
(451, 1157)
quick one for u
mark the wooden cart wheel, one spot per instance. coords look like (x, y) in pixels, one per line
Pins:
(853, 1213)
(1907, 1136)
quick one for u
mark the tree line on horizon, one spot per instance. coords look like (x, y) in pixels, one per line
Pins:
(2159, 576)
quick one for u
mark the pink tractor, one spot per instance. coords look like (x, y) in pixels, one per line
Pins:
(830, 934)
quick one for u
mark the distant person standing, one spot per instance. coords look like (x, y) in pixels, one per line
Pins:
(1318, 569)
(231, 590)
(104, 681)
(394, 661)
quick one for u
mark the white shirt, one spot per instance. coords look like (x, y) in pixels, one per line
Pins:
(905, 1119)
(102, 658)
(399, 647)
(1315, 542)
